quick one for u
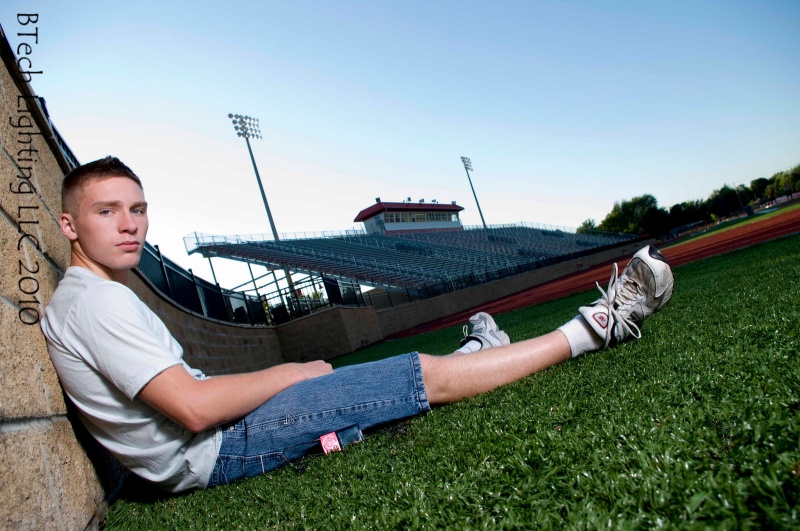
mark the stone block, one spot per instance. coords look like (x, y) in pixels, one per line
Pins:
(31, 219)
(25, 274)
(29, 386)
(48, 176)
(48, 482)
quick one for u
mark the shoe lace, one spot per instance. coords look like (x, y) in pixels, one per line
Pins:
(627, 298)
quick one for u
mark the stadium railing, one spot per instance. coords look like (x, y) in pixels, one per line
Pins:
(201, 297)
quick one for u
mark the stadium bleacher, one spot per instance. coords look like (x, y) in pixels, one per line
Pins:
(413, 260)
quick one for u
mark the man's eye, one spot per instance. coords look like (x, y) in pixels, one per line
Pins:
(139, 211)
(105, 212)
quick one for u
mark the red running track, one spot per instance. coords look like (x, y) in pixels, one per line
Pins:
(696, 249)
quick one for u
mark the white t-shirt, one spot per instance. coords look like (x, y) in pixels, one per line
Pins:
(106, 345)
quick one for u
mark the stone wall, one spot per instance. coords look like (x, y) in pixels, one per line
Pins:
(48, 482)
(54, 475)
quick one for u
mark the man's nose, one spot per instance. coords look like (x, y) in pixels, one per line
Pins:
(128, 223)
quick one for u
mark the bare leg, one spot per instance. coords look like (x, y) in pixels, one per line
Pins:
(451, 378)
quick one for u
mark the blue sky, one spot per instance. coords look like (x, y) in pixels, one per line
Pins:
(563, 107)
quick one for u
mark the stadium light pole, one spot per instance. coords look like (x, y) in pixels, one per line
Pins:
(248, 127)
(467, 167)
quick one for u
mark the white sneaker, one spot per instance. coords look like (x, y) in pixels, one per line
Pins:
(644, 287)
(485, 331)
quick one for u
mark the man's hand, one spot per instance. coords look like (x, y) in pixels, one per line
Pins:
(312, 369)
(201, 404)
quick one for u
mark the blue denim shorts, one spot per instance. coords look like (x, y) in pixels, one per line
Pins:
(289, 425)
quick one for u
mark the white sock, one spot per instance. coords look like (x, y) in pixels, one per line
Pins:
(581, 337)
(472, 345)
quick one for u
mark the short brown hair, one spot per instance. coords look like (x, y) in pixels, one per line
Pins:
(76, 180)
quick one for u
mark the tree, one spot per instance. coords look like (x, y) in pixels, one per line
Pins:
(777, 182)
(745, 195)
(586, 227)
(789, 182)
(636, 216)
(795, 173)
(688, 212)
(724, 202)
(758, 187)
(655, 222)
(620, 219)
(642, 214)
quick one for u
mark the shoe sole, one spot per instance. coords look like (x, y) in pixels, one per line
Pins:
(662, 274)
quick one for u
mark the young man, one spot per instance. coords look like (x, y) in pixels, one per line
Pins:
(170, 424)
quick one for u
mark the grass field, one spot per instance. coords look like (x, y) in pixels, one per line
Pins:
(696, 425)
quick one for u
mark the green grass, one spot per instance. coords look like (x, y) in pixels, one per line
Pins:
(696, 425)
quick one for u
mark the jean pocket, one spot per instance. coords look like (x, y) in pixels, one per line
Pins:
(231, 468)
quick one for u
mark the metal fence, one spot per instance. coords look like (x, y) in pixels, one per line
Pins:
(197, 295)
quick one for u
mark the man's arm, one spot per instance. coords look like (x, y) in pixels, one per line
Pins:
(200, 404)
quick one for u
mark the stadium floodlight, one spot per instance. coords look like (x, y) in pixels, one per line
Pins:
(248, 127)
(467, 167)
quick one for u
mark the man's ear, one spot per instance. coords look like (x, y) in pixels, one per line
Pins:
(68, 226)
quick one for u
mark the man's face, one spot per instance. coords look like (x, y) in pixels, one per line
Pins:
(108, 232)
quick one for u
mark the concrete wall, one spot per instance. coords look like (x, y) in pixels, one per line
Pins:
(223, 348)
(399, 318)
(213, 346)
(329, 333)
